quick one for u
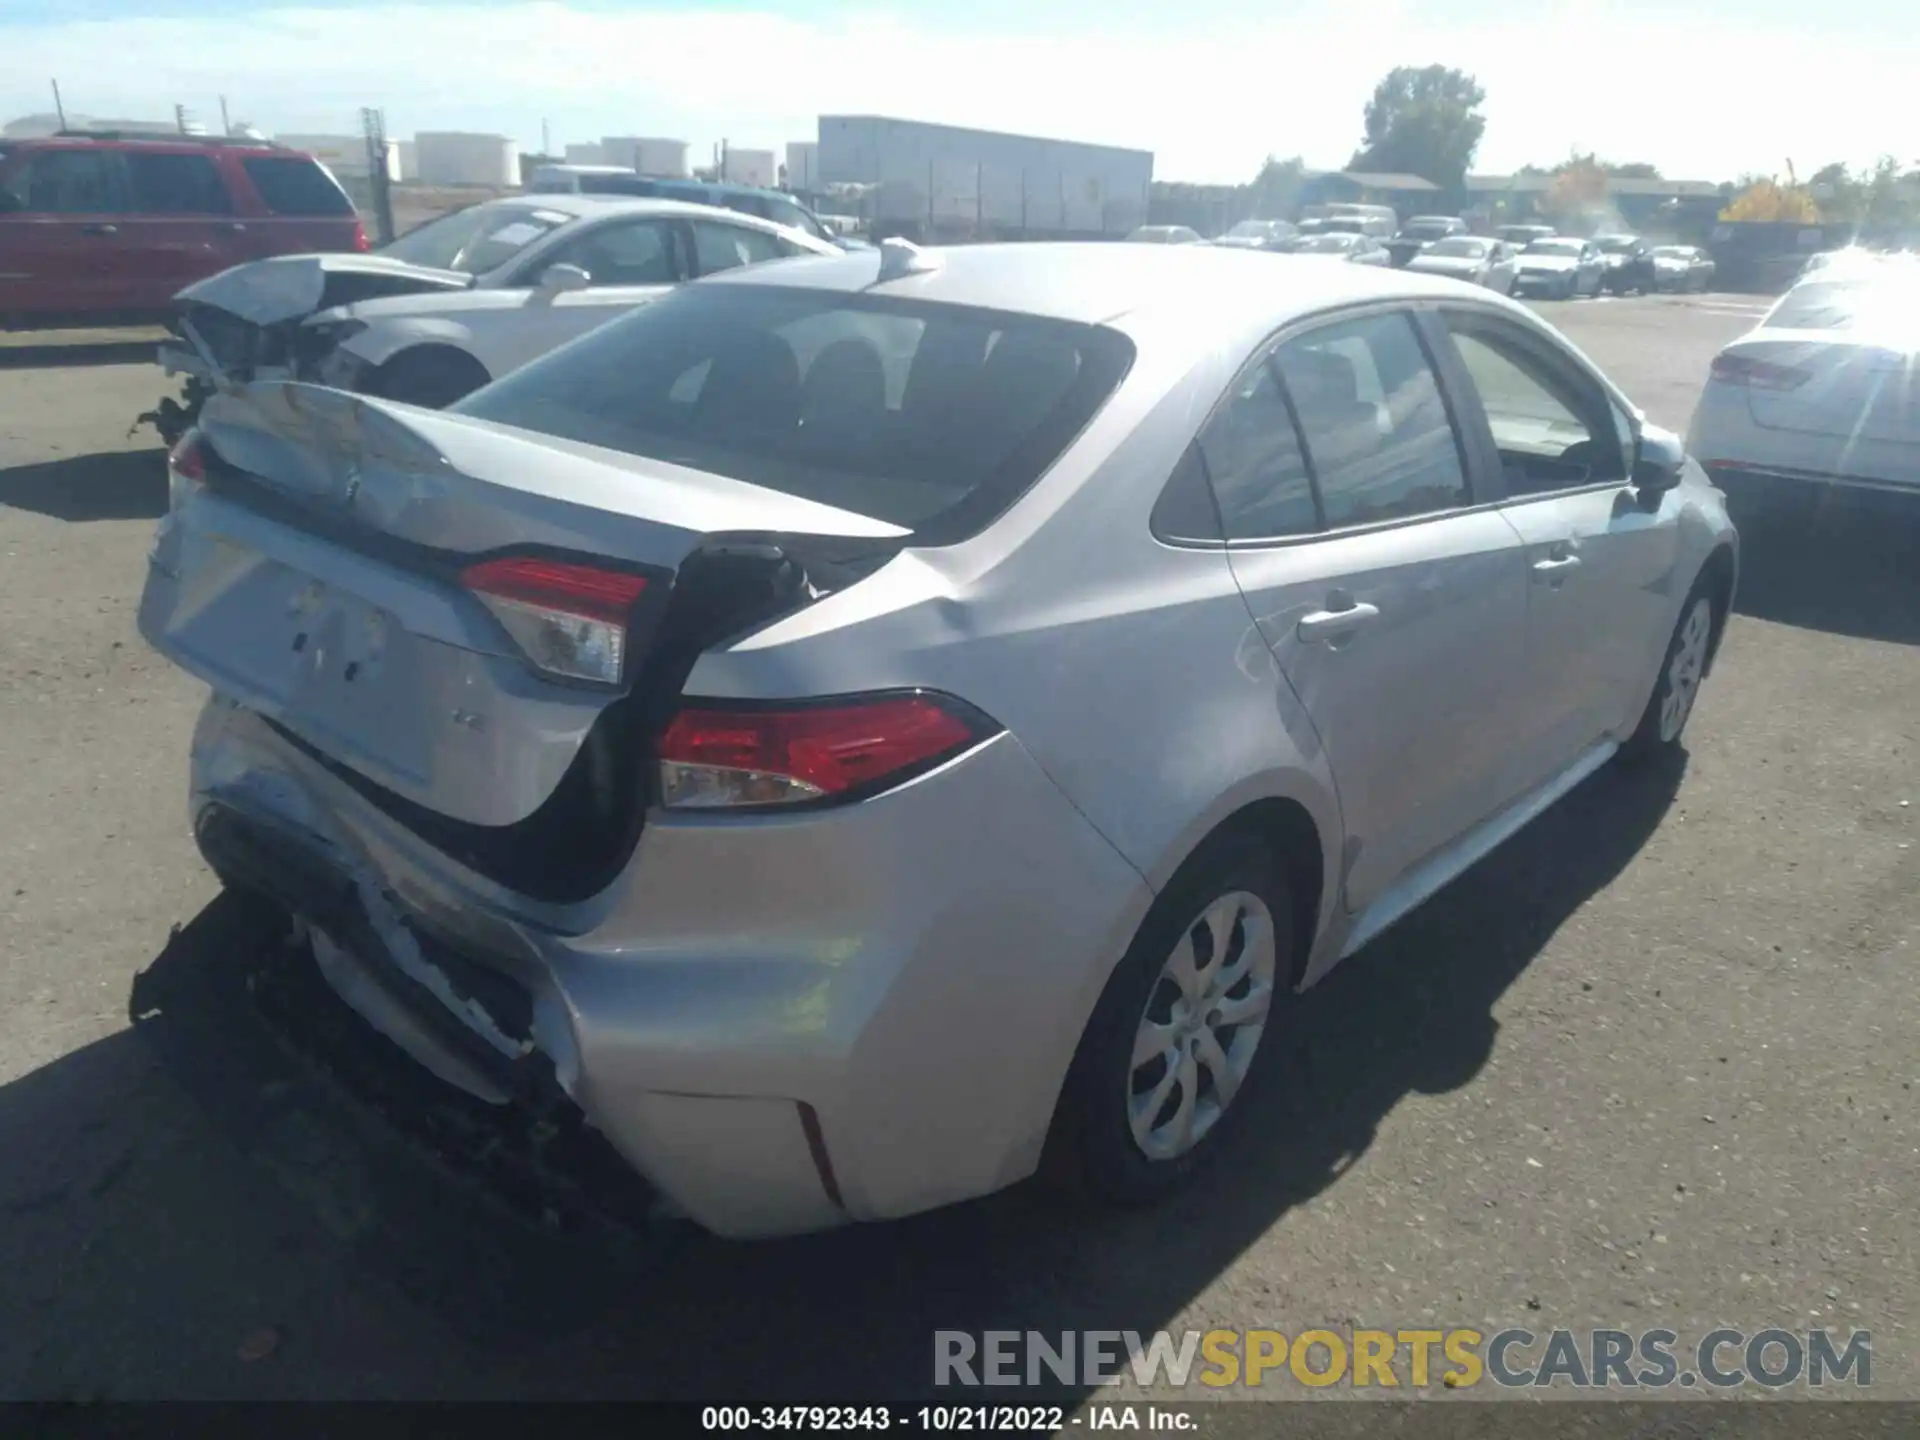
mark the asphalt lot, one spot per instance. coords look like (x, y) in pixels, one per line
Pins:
(1650, 1065)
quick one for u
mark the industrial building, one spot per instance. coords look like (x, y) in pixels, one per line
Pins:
(345, 155)
(458, 157)
(748, 167)
(943, 182)
(803, 166)
(650, 156)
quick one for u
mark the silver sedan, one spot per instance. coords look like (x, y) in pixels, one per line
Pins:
(858, 726)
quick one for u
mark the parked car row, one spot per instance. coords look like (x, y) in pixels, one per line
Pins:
(1520, 259)
(918, 588)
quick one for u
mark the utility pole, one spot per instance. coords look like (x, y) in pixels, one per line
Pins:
(226, 125)
(58, 108)
(180, 118)
(373, 124)
(546, 140)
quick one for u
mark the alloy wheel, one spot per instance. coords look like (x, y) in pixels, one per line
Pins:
(1685, 669)
(1203, 1021)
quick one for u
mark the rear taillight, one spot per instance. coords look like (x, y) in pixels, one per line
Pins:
(723, 756)
(568, 619)
(360, 241)
(186, 470)
(1757, 374)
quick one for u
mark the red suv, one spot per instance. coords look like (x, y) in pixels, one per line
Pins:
(97, 228)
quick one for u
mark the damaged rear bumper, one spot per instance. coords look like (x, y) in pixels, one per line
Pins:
(781, 1026)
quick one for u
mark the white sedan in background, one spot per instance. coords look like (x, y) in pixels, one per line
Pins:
(1344, 245)
(1472, 258)
(460, 301)
(1820, 403)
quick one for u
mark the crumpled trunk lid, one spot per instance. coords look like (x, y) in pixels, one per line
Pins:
(316, 580)
(290, 287)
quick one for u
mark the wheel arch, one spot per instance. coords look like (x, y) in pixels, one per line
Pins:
(424, 352)
(1717, 575)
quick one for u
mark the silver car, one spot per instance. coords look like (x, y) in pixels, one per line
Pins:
(859, 725)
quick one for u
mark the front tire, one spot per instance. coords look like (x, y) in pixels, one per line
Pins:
(1189, 1022)
(1682, 669)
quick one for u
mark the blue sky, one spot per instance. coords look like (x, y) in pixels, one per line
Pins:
(1704, 90)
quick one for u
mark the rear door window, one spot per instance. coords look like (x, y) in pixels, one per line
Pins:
(1377, 433)
(296, 185)
(177, 185)
(1253, 456)
(73, 182)
(932, 417)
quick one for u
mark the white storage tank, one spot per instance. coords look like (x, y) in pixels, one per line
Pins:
(749, 167)
(460, 157)
(650, 156)
(803, 165)
(407, 158)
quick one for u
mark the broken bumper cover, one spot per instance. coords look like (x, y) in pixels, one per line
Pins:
(782, 1025)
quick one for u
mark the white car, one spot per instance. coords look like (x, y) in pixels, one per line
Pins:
(1344, 245)
(460, 301)
(1560, 268)
(1165, 235)
(1472, 258)
(1821, 401)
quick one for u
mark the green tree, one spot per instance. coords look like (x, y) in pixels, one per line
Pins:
(1424, 122)
(1276, 189)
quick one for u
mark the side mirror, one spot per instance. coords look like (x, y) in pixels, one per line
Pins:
(558, 279)
(1659, 462)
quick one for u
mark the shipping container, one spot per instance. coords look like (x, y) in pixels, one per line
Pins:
(456, 157)
(944, 183)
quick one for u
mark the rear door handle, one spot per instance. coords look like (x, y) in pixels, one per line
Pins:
(233, 227)
(99, 229)
(1553, 570)
(1332, 625)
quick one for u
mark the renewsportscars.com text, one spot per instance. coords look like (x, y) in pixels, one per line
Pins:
(1388, 1359)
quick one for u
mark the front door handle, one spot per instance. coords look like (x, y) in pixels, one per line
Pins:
(1553, 570)
(233, 227)
(1335, 625)
(99, 229)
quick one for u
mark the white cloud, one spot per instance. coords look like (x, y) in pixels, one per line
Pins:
(1694, 97)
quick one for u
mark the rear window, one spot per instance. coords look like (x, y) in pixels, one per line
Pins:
(293, 185)
(1470, 249)
(1831, 306)
(931, 417)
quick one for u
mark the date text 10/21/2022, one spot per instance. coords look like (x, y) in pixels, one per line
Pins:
(944, 1419)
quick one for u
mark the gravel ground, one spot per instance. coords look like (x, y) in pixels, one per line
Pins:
(1649, 1065)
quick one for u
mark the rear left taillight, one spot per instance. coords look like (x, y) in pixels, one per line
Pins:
(568, 619)
(719, 756)
(360, 241)
(1757, 374)
(186, 470)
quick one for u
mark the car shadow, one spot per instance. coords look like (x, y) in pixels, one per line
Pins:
(168, 1177)
(1839, 570)
(86, 352)
(108, 485)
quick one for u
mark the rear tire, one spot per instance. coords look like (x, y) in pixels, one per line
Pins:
(431, 378)
(1142, 1107)
(1682, 668)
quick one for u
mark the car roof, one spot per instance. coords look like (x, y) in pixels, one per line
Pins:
(115, 140)
(1092, 283)
(565, 202)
